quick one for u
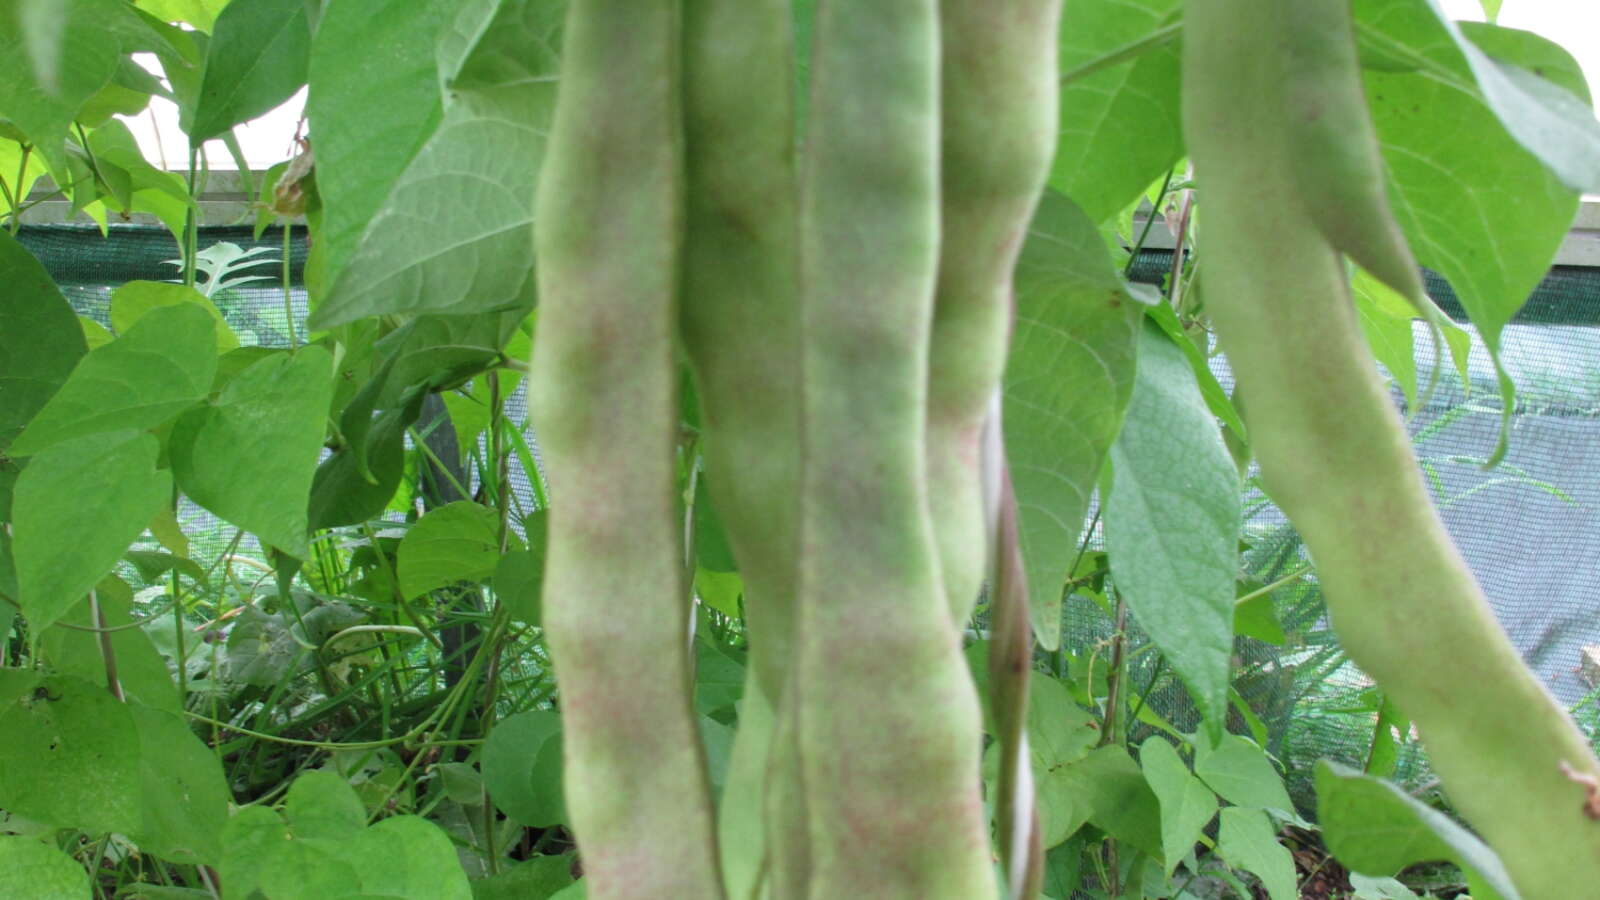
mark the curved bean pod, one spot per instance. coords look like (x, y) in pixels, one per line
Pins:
(1334, 148)
(604, 400)
(998, 111)
(881, 702)
(741, 329)
(1335, 456)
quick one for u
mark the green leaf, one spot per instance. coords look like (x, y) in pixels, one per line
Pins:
(1059, 731)
(1248, 841)
(11, 162)
(68, 759)
(143, 187)
(31, 868)
(1374, 828)
(1068, 379)
(472, 256)
(140, 667)
(1172, 524)
(261, 854)
(60, 552)
(94, 35)
(408, 858)
(40, 340)
(522, 768)
(371, 112)
(1258, 618)
(202, 14)
(1119, 126)
(519, 576)
(1500, 199)
(341, 494)
(131, 301)
(162, 366)
(1187, 805)
(321, 804)
(718, 740)
(262, 649)
(183, 795)
(534, 879)
(272, 414)
(1554, 121)
(719, 590)
(718, 680)
(1240, 773)
(1115, 797)
(256, 60)
(456, 542)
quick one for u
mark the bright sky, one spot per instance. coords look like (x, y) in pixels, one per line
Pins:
(1575, 24)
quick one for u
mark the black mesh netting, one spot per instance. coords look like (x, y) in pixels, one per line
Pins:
(1528, 527)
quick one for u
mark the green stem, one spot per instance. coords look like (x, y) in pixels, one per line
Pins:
(288, 287)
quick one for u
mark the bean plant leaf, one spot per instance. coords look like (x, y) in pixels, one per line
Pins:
(162, 366)
(140, 667)
(456, 542)
(94, 34)
(183, 795)
(1120, 126)
(33, 868)
(1115, 797)
(470, 255)
(256, 59)
(1501, 200)
(341, 494)
(1373, 827)
(1187, 805)
(40, 341)
(1067, 382)
(409, 858)
(325, 850)
(202, 14)
(321, 804)
(261, 854)
(534, 879)
(1060, 734)
(274, 415)
(62, 548)
(370, 112)
(262, 649)
(519, 575)
(131, 301)
(522, 768)
(1239, 771)
(1172, 523)
(1247, 840)
(70, 758)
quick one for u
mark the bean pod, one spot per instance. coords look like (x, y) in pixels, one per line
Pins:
(604, 400)
(1335, 456)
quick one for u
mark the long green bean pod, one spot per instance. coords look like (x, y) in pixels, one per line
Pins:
(998, 130)
(1335, 456)
(604, 400)
(884, 709)
(741, 329)
(1338, 169)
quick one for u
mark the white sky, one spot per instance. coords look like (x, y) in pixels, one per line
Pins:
(1575, 24)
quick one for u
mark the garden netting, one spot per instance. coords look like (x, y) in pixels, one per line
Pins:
(1530, 528)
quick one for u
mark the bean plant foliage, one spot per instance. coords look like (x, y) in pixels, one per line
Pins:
(837, 387)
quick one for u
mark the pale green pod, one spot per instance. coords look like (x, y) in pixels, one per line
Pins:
(998, 111)
(741, 329)
(1337, 167)
(603, 397)
(881, 703)
(1335, 456)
